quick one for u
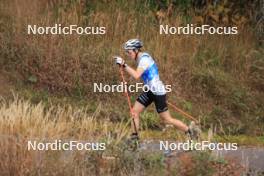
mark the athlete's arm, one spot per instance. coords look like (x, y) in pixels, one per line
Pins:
(135, 73)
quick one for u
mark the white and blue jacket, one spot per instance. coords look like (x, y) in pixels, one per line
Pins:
(150, 75)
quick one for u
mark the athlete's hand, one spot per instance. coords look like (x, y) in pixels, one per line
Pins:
(119, 61)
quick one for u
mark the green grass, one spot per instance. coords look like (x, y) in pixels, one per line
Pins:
(242, 140)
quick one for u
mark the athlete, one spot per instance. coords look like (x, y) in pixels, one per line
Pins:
(147, 70)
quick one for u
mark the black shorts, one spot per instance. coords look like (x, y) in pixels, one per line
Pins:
(146, 98)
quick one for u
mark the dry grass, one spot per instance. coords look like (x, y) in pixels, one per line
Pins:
(210, 71)
(49, 57)
(219, 75)
(22, 121)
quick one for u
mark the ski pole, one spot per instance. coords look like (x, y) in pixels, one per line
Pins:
(182, 112)
(128, 99)
(172, 105)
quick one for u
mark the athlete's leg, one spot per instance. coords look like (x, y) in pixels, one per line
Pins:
(162, 109)
(143, 101)
(166, 117)
(137, 109)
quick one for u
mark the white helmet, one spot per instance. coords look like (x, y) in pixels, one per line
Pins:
(133, 44)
